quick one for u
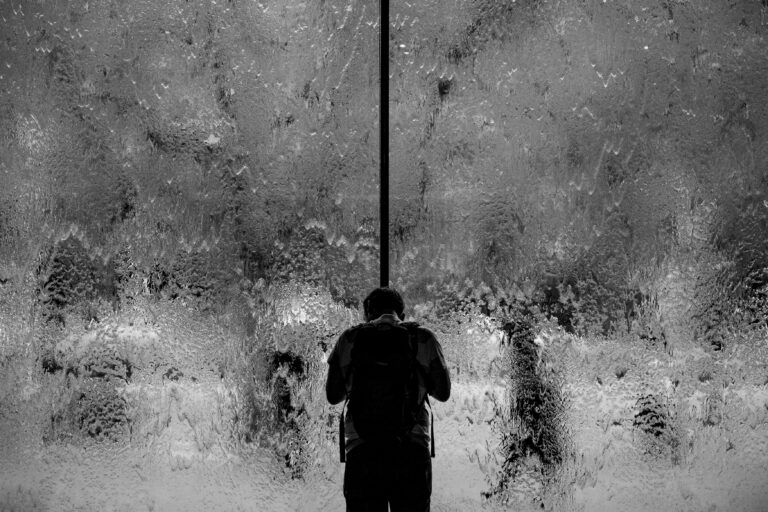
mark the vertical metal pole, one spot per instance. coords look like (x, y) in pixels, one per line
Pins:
(384, 142)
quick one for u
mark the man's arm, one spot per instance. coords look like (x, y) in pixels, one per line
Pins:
(335, 388)
(439, 377)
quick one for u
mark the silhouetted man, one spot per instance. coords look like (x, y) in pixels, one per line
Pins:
(385, 368)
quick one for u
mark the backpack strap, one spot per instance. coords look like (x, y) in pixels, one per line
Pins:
(342, 432)
(432, 429)
(415, 347)
(342, 448)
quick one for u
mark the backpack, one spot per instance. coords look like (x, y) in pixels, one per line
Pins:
(384, 384)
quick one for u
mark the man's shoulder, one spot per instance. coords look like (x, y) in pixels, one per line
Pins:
(353, 331)
(344, 344)
(422, 332)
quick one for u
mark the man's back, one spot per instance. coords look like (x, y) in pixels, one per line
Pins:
(430, 371)
(384, 395)
(392, 465)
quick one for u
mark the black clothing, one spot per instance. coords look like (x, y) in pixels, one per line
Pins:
(398, 474)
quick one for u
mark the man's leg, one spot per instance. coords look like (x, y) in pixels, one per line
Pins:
(413, 484)
(365, 480)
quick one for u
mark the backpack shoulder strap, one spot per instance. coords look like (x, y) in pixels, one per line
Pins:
(342, 434)
(412, 328)
(431, 429)
(355, 331)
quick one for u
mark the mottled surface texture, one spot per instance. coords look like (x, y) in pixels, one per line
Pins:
(189, 218)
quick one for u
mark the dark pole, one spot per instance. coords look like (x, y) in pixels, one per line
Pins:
(384, 143)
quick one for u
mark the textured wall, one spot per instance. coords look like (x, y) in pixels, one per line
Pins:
(189, 218)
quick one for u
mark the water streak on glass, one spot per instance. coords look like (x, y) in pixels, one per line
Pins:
(189, 213)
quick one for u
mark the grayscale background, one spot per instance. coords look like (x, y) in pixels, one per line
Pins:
(189, 219)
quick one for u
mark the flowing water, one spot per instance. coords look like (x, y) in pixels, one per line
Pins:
(189, 219)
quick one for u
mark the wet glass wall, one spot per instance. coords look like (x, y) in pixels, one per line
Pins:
(189, 218)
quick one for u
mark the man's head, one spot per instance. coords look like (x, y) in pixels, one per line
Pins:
(382, 301)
